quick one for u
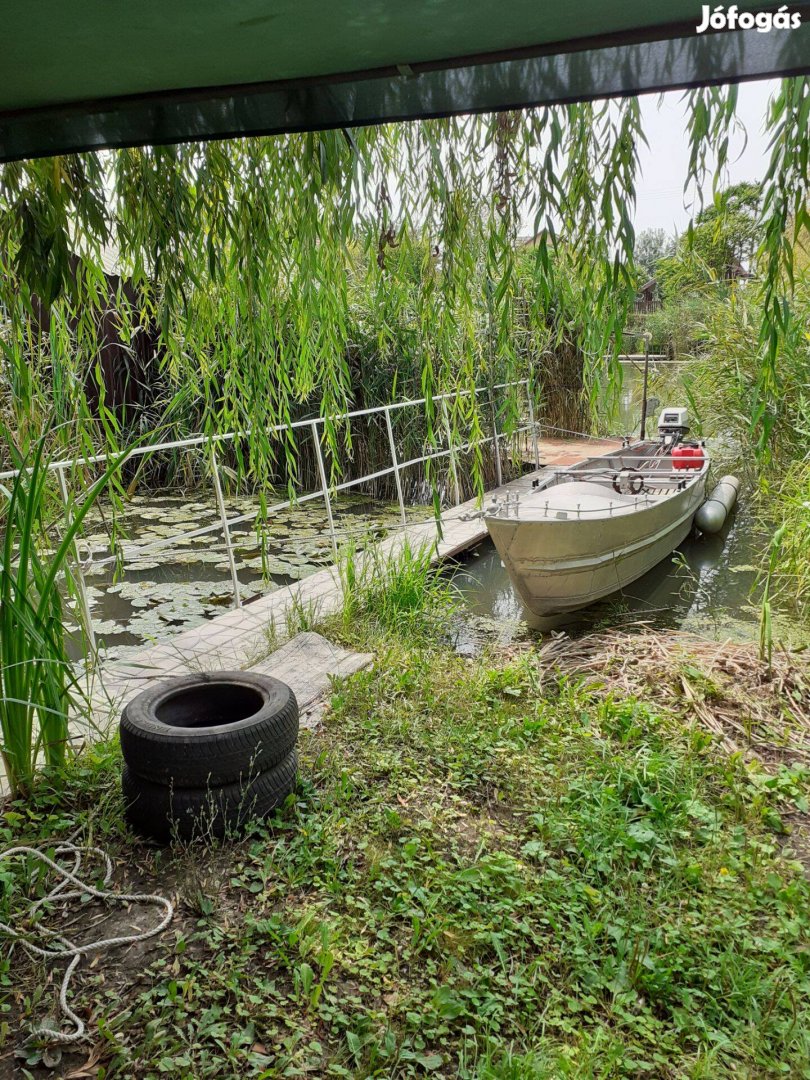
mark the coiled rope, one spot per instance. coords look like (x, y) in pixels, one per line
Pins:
(68, 949)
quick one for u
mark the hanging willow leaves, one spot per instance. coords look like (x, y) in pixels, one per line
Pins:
(266, 274)
(786, 213)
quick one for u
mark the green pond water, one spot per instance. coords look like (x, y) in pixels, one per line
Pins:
(180, 585)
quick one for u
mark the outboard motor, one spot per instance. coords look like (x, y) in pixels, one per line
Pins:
(673, 425)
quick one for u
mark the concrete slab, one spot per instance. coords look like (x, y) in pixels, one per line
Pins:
(308, 663)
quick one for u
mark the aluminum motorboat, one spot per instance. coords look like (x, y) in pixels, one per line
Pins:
(588, 530)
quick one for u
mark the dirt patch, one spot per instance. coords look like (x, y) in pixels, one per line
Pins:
(797, 843)
(185, 876)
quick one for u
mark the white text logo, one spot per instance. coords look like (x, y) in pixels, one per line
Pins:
(721, 18)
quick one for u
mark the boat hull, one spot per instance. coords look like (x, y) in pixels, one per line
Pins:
(560, 566)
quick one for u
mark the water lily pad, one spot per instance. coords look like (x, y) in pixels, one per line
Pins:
(188, 580)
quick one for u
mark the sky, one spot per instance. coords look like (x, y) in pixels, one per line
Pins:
(660, 203)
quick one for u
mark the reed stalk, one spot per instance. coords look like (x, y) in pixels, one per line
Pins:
(39, 689)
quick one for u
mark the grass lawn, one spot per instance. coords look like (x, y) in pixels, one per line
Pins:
(485, 873)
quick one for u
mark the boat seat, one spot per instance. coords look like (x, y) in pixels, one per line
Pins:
(587, 494)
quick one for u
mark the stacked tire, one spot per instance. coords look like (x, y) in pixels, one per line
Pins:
(205, 754)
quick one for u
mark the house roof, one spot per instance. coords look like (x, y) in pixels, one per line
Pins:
(105, 73)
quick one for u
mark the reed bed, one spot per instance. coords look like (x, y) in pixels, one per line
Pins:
(756, 708)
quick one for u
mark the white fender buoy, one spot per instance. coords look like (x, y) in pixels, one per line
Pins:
(711, 516)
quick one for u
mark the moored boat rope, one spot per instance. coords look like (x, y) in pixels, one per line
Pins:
(66, 948)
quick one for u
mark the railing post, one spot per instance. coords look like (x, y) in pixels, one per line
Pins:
(81, 587)
(395, 463)
(533, 426)
(223, 516)
(451, 448)
(643, 432)
(498, 473)
(324, 487)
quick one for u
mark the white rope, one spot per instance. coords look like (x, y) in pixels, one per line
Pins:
(68, 948)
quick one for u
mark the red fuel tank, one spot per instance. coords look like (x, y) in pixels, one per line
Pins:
(687, 456)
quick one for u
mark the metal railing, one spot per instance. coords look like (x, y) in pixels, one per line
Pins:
(325, 492)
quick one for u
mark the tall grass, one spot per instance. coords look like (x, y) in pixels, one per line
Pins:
(400, 591)
(723, 387)
(785, 578)
(38, 687)
(793, 499)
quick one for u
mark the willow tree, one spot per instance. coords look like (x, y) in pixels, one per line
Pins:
(238, 257)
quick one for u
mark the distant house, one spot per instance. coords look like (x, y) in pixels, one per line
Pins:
(647, 298)
(736, 272)
(533, 241)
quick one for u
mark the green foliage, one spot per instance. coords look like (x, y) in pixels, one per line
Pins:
(769, 221)
(38, 687)
(560, 342)
(723, 384)
(398, 592)
(787, 222)
(687, 272)
(721, 239)
(483, 875)
(786, 575)
(679, 327)
(34, 667)
(652, 245)
(245, 256)
(751, 351)
(729, 230)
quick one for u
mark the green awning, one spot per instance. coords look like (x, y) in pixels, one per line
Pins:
(104, 73)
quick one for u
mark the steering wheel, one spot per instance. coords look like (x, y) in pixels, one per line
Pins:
(628, 482)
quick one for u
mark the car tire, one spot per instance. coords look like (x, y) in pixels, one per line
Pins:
(209, 729)
(164, 813)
